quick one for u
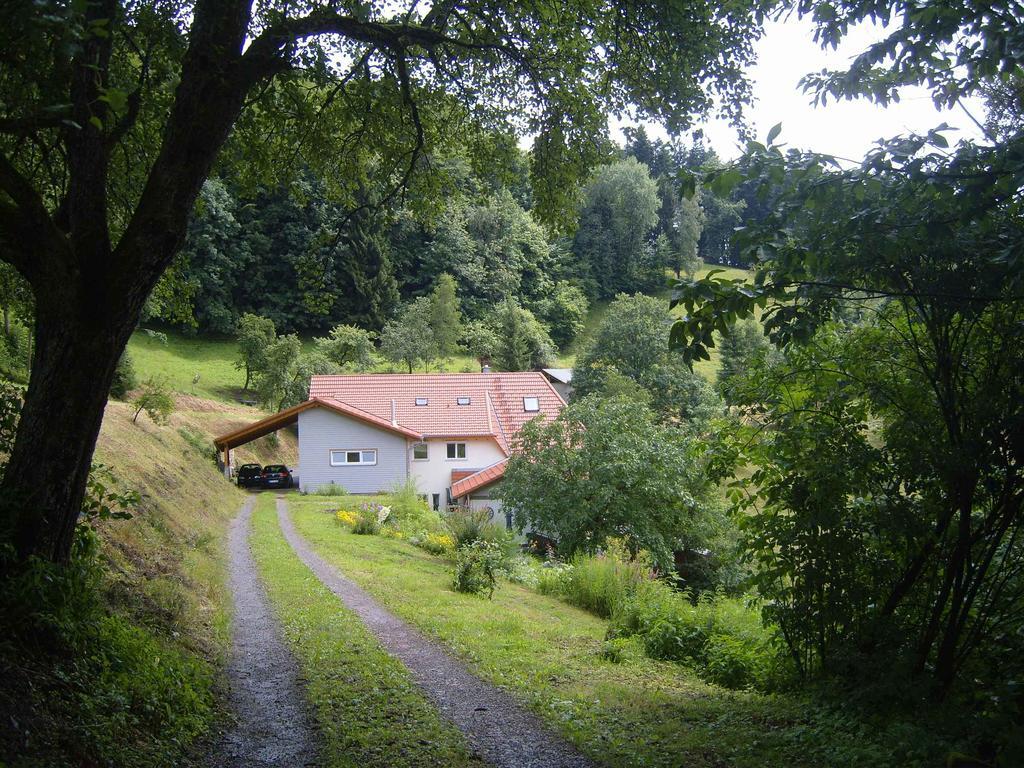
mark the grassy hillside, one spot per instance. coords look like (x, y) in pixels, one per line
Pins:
(120, 657)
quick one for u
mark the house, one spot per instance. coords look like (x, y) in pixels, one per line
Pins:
(450, 432)
(561, 380)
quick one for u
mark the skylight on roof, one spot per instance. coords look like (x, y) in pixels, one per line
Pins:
(421, 401)
(531, 404)
(462, 400)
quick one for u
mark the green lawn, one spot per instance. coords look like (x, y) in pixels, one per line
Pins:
(182, 357)
(369, 711)
(637, 712)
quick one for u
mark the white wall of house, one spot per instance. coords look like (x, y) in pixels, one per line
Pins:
(433, 475)
(322, 430)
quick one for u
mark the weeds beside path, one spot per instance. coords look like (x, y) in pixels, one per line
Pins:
(499, 729)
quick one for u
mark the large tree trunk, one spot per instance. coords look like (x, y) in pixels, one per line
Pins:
(43, 487)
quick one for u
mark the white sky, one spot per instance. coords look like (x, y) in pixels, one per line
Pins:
(846, 129)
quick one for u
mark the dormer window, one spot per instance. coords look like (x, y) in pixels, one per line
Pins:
(462, 400)
(422, 401)
(531, 404)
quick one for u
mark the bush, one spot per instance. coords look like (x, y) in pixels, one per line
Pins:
(410, 514)
(476, 568)
(721, 638)
(370, 517)
(435, 543)
(124, 377)
(522, 569)
(603, 583)
(466, 525)
(345, 517)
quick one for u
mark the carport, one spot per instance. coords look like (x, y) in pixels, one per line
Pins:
(255, 431)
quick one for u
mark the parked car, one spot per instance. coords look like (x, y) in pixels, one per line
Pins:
(276, 476)
(249, 476)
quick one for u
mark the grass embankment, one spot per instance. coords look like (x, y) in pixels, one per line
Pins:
(632, 712)
(122, 661)
(369, 710)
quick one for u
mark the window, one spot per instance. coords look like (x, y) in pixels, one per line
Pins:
(421, 401)
(437, 501)
(462, 400)
(531, 404)
(456, 450)
(419, 452)
(346, 458)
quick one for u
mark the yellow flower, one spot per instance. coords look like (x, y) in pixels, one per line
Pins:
(345, 517)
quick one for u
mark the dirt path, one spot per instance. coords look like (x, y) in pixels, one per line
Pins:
(272, 724)
(498, 728)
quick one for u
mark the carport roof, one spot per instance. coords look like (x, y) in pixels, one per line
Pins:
(290, 416)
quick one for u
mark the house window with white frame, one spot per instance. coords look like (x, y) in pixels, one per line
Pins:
(353, 458)
(420, 452)
(456, 450)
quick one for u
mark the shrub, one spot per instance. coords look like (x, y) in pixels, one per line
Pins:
(550, 578)
(370, 517)
(522, 569)
(124, 377)
(603, 583)
(331, 489)
(721, 638)
(410, 514)
(476, 568)
(435, 543)
(345, 517)
(466, 525)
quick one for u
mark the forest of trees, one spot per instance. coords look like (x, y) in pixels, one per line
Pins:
(291, 255)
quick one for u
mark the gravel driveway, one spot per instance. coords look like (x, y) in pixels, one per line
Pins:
(272, 725)
(496, 726)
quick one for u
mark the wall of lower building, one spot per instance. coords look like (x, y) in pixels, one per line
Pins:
(322, 430)
(433, 475)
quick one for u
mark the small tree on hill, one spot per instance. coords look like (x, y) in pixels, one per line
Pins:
(348, 345)
(255, 335)
(155, 399)
(409, 339)
(523, 343)
(445, 317)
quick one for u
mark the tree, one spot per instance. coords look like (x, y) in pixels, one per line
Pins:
(740, 351)
(279, 370)
(523, 343)
(348, 345)
(923, 243)
(445, 318)
(565, 312)
(409, 339)
(605, 468)
(480, 341)
(631, 342)
(114, 115)
(255, 336)
(155, 399)
(620, 209)
(689, 225)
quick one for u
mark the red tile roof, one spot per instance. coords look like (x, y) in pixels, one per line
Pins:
(474, 482)
(495, 406)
